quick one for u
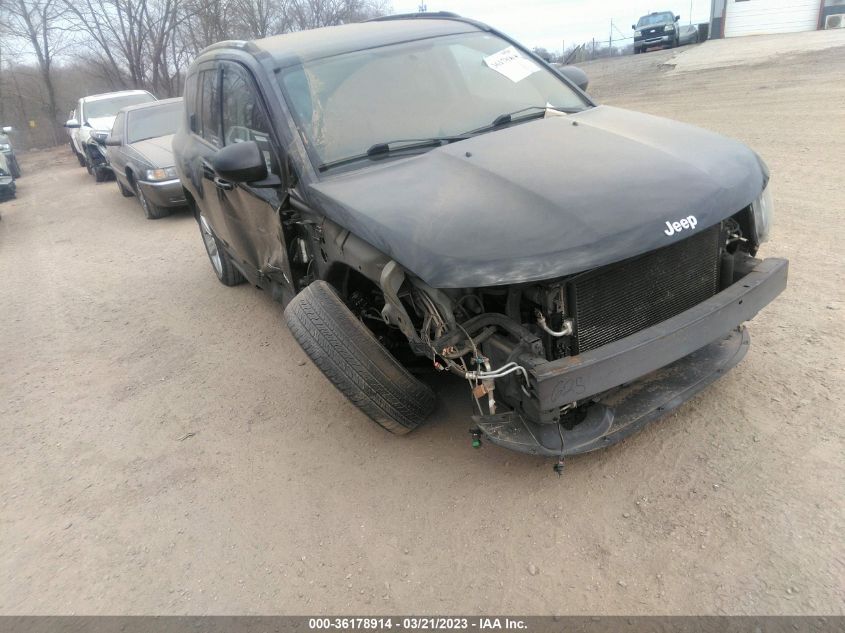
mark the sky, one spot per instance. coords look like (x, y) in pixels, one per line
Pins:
(550, 23)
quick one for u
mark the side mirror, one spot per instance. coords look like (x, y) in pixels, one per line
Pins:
(7, 129)
(240, 162)
(633, 27)
(576, 76)
(113, 141)
(677, 18)
(72, 123)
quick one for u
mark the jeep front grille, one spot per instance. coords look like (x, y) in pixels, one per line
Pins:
(615, 301)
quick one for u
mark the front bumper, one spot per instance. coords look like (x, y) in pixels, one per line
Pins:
(97, 156)
(690, 350)
(164, 193)
(654, 42)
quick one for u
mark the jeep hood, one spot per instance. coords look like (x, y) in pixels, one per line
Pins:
(543, 199)
(158, 151)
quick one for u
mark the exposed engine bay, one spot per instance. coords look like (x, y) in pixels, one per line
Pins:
(495, 338)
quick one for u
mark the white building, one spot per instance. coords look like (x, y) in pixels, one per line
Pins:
(732, 18)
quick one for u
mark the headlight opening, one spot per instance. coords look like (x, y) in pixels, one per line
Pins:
(762, 211)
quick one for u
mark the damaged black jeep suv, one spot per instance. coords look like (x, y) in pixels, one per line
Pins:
(422, 189)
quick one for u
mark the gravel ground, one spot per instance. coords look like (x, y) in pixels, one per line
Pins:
(167, 448)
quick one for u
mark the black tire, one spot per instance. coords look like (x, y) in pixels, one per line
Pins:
(14, 167)
(355, 362)
(80, 158)
(101, 174)
(151, 211)
(126, 193)
(221, 263)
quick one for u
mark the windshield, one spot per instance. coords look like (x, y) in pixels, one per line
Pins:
(153, 121)
(109, 107)
(657, 18)
(436, 87)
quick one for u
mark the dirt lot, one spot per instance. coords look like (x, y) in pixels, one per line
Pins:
(117, 342)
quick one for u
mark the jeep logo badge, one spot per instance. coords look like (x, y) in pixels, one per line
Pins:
(688, 222)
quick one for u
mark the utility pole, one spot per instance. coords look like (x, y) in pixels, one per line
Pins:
(610, 39)
(422, 8)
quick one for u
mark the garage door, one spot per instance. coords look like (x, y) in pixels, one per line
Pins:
(756, 17)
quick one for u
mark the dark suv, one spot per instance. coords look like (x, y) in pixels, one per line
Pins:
(422, 190)
(656, 30)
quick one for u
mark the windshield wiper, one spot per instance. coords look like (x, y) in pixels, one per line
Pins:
(413, 143)
(508, 117)
(379, 150)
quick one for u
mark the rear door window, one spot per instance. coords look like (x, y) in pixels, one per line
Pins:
(210, 113)
(192, 103)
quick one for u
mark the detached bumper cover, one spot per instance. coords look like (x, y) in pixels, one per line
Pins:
(164, 193)
(691, 350)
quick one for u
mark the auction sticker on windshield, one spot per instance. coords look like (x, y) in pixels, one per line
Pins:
(512, 64)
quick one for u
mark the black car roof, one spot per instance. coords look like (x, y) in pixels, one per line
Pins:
(294, 48)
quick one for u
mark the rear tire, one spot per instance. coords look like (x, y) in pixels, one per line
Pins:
(354, 361)
(221, 263)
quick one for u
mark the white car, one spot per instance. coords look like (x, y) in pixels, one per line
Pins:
(91, 123)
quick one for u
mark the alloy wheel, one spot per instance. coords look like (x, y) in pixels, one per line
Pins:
(211, 246)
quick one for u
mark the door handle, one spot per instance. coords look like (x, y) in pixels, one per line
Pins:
(225, 185)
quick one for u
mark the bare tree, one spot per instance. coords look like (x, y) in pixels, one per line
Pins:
(39, 23)
(313, 14)
(134, 42)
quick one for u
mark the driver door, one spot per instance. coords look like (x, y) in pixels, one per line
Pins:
(252, 213)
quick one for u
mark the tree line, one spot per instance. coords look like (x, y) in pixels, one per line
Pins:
(54, 51)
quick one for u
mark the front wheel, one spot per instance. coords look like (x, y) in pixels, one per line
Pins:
(126, 193)
(151, 210)
(354, 361)
(220, 261)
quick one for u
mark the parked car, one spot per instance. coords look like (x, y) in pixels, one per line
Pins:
(425, 189)
(94, 118)
(9, 152)
(687, 34)
(656, 30)
(71, 133)
(7, 180)
(141, 157)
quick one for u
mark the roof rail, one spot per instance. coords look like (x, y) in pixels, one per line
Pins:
(415, 16)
